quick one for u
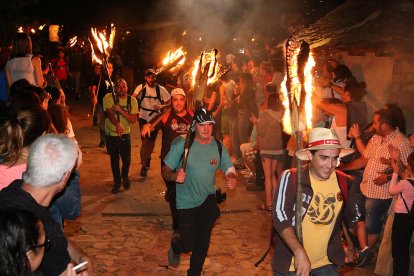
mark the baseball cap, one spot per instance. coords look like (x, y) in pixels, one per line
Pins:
(177, 91)
(202, 116)
(150, 71)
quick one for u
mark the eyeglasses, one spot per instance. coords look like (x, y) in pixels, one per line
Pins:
(46, 245)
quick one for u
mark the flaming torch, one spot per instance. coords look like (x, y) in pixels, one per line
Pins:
(173, 60)
(205, 72)
(297, 90)
(102, 53)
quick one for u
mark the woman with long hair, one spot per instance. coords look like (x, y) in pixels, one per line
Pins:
(270, 142)
(22, 64)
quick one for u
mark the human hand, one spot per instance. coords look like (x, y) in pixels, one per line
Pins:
(118, 108)
(302, 263)
(253, 119)
(69, 271)
(394, 152)
(394, 166)
(180, 176)
(381, 179)
(79, 160)
(354, 131)
(385, 161)
(146, 130)
(119, 129)
(231, 181)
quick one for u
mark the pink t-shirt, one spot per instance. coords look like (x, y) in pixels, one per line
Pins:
(407, 190)
(9, 174)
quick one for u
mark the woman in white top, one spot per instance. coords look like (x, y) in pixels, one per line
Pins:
(22, 64)
(403, 225)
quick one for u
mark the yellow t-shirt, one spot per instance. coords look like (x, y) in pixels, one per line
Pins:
(108, 102)
(319, 220)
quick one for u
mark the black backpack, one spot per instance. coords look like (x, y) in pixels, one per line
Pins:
(143, 95)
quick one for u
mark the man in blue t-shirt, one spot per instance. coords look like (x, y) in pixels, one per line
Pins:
(196, 202)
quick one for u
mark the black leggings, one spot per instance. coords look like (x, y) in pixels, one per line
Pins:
(402, 230)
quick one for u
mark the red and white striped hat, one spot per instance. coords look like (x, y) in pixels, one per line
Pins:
(323, 138)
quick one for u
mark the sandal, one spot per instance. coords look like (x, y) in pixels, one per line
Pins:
(264, 207)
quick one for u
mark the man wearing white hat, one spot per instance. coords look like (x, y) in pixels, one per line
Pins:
(323, 198)
(174, 123)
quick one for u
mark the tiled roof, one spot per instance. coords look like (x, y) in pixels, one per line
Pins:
(364, 25)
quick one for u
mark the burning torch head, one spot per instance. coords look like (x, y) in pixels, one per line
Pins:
(323, 138)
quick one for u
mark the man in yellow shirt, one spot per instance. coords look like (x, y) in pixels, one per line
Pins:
(323, 198)
(121, 111)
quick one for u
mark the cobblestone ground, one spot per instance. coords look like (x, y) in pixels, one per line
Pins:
(129, 233)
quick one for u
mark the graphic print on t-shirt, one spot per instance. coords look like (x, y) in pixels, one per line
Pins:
(322, 209)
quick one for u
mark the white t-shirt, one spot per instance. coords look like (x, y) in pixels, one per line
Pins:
(150, 101)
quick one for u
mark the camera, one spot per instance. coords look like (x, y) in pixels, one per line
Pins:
(220, 197)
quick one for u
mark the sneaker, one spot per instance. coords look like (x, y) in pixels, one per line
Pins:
(364, 257)
(102, 144)
(173, 259)
(144, 171)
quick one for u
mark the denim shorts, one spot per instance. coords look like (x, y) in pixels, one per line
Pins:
(375, 211)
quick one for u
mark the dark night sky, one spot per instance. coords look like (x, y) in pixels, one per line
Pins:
(223, 24)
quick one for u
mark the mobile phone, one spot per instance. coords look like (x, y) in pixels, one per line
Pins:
(80, 266)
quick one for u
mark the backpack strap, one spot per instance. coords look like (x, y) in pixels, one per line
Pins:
(158, 91)
(129, 104)
(405, 203)
(142, 95)
(219, 146)
(343, 184)
(342, 181)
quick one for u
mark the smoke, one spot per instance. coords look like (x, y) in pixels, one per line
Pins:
(229, 25)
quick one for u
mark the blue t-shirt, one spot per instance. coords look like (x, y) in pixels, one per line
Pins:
(202, 164)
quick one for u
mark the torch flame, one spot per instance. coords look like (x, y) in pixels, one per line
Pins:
(104, 46)
(213, 70)
(173, 56)
(294, 97)
(194, 72)
(73, 41)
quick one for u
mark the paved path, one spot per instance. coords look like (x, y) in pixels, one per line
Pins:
(129, 233)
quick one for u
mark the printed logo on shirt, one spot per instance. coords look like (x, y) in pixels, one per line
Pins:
(322, 210)
(213, 162)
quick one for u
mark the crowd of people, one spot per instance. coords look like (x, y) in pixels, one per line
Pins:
(355, 172)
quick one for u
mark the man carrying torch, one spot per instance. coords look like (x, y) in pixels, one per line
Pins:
(151, 96)
(196, 193)
(324, 191)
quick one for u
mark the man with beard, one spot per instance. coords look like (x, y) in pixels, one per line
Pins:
(375, 182)
(121, 113)
(173, 124)
(150, 97)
